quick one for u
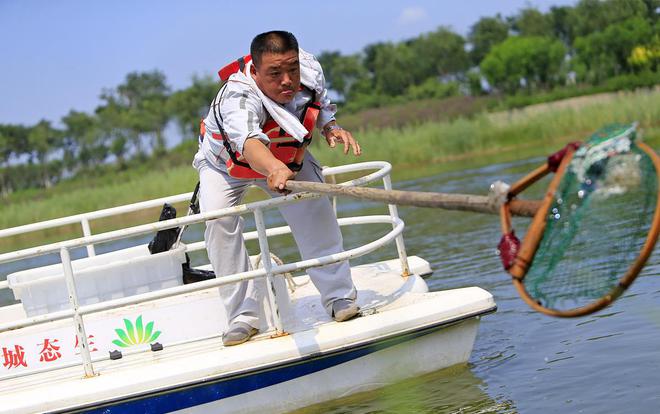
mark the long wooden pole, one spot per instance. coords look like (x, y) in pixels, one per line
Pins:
(460, 202)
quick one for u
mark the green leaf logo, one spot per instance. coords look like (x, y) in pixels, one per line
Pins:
(135, 334)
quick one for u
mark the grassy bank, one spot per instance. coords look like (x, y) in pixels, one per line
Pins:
(414, 150)
(514, 133)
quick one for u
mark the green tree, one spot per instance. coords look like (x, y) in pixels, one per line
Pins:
(486, 33)
(13, 143)
(6, 152)
(144, 96)
(187, 106)
(473, 82)
(152, 119)
(647, 56)
(342, 73)
(591, 16)
(392, 69)
(531, 22)
(16, 136)
(432, 89)
(653, 8)
(370, 53)
(562, 21)
(601, 55)
(43, 140)
(140, 86)
(531, 61)
(85, 139)
(438, 54)
(114, 131)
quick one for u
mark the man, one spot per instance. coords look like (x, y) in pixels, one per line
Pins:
(256, 132)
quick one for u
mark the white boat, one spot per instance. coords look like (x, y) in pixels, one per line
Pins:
(119, 332)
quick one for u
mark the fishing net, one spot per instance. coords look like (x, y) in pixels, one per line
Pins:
(597, 225)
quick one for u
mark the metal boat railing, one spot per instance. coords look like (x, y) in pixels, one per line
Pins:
(262, 233)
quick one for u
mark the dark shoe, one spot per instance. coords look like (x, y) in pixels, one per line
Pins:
(237, 333)
(344, 309)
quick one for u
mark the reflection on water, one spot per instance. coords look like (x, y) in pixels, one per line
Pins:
(451, 390)
(522, 361)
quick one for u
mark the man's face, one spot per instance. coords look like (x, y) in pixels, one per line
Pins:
(278, 75)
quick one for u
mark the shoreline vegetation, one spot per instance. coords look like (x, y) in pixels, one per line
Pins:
(438, 146)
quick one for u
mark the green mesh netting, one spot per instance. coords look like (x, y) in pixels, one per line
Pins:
(598, 222)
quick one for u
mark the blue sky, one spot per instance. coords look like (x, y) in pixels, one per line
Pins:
(59, 55)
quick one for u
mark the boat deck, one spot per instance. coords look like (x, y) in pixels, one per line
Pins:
(382, 294)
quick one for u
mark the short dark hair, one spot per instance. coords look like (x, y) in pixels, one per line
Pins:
(275, 41)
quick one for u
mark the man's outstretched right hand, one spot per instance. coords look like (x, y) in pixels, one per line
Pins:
(264, 162)
(277, 179)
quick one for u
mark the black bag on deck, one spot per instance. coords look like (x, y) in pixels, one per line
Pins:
(164, 240)
(192, 275)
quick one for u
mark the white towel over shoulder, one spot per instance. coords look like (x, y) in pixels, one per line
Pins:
(311, 75)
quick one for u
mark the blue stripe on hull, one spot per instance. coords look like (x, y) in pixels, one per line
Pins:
(207, 391)
(202, 393)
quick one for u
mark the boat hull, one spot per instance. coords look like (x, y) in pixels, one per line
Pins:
(317, 378)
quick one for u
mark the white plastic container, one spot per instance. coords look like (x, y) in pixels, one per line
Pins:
(107, 276)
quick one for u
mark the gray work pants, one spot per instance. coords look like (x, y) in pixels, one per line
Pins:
(313, 224)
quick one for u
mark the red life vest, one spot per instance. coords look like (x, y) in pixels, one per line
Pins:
(282, 145)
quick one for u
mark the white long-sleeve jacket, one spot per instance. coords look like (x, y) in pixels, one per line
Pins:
(242, 111)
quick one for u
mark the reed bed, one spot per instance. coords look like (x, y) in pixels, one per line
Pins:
(543, 129)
